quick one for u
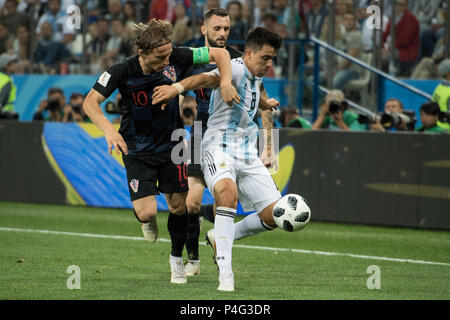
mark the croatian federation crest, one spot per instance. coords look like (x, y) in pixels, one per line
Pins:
(134, 184)
(169, 72)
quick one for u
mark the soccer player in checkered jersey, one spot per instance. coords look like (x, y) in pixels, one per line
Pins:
(144, 137)
(230, 163)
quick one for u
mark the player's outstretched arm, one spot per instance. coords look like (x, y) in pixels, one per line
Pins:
(163, 94)
(91, 107)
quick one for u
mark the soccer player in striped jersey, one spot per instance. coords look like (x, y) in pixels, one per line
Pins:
(230, 163)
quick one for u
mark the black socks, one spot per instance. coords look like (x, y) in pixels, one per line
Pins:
(193, 233)
(207, 211)
(177, 226)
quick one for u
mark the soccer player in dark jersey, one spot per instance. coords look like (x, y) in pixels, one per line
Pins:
(216, 29)
(144, 137)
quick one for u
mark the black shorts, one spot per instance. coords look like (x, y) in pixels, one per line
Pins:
(195, 169)
(149, 175)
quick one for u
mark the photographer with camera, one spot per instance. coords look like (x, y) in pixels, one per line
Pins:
(74, 111)
(290, 118)
(394, 118)
(51, 109)
(334, 114)
(429, 116)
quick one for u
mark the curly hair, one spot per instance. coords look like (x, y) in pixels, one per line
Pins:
(152, 35)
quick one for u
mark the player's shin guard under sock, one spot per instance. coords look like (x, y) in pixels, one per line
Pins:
(177, 226)
(250, 226)
(207, 211)
(224, 236)
(193, 233)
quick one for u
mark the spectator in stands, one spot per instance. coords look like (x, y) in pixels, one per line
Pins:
(334, 114)
(316, 18)
(74, 111)
(426, 12)
(303, 9)
(7, 87)
(351, 44)
(49, 53)
(429, 113)
(51, 109)
(269, 21)
(392, 105)
(367, 30)
(98, 45)
(12, 18)
(281, 61)
(162, 10)
(129, 13)
(290, 118)
(406, 40)
(238, 28)
(6, 40)
(427, 68)
(181, 28)
(284, 12)
(114, 45)
(441, 94)
(21, 48)
(262, 7)
(62, 32)
(114, 11)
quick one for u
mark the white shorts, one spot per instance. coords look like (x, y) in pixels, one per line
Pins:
(256, 187)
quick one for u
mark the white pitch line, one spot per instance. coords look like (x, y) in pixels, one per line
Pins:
(326, 253)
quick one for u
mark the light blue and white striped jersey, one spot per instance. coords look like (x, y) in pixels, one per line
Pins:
(233, 128)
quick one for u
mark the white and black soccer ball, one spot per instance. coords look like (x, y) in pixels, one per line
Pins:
(291, 213)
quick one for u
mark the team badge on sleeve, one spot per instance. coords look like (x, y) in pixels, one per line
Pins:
(134, 184)
(169, 72)
(104, 78)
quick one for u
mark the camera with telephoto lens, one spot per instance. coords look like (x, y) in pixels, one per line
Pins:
(394, 120)
(8, 115)
(77, 108)
(367, 118)
(53, 105)
(444, 117)
(335, 106)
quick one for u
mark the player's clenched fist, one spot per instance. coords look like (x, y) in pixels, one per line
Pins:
(269, 104)
(163, 94)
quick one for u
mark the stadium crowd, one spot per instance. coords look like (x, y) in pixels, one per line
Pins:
(37, 36)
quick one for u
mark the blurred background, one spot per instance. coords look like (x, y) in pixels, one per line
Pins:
(346, 68)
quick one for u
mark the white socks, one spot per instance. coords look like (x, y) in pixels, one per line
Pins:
(224, 237)
(250, 226)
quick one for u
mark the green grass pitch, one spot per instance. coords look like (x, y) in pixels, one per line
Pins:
(327, 261)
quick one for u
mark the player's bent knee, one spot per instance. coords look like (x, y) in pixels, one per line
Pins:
(193, 207)
(266, 215)
(145, 215)
(177, 203)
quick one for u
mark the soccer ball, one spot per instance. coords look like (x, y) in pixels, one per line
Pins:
(291, 213)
